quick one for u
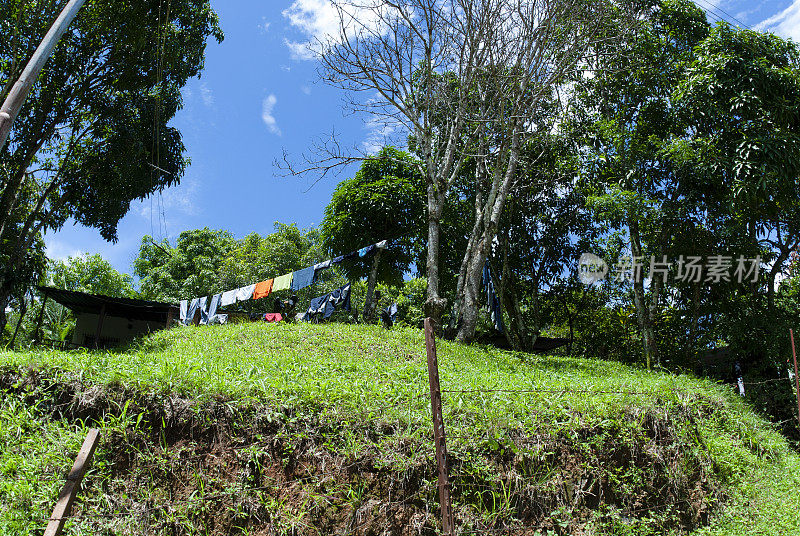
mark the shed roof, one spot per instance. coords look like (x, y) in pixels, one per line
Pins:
(80, 302)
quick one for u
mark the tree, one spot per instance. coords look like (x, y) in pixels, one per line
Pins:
(94, 134)
(256, 257)
(742, 94)
(541, 238)
(90, 274)
(463, 79)
(22, 295)
(692, 150)
(205, 261)
(383, 201)
(191, 268)
(634, 134)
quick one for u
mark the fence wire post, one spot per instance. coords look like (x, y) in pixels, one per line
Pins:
(796, 379)
(70, 489)
(438, 431)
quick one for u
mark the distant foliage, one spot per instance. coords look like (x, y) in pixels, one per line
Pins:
(385, 200)
(204, 261)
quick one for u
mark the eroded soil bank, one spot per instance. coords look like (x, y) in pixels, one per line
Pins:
(172, 465)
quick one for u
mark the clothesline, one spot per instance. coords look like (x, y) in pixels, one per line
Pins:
(296, 280)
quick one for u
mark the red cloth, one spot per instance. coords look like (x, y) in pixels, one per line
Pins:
(273, 317)
(263, 289)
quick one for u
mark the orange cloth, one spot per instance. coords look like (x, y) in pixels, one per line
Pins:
(263, 289)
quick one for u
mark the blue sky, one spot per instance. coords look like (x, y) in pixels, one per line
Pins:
(259, 97)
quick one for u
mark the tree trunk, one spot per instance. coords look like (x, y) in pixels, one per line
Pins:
(3, 318)
(23, 308)
(693, 326)
(369, 303)
(471, 298)
(488, 221)
(571, 318)
(435, 305)
(642, 310)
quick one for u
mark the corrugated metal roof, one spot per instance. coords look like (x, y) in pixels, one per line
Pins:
(80, 302)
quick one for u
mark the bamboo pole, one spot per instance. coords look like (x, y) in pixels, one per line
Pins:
(19, 93)
(70, 489)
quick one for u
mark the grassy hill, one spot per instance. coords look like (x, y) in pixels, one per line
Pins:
(303, 429)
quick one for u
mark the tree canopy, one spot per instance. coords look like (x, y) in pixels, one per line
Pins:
(94, 134)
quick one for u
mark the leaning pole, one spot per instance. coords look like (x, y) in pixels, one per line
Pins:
(19, 93)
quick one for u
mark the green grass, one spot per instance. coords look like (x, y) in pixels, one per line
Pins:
(356, 374)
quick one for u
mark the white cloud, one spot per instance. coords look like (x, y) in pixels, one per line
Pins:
(379, 134)
(59, 250)
(786, 23)
(315, 17)
(207, 95)
(266, 114)
(265, 24)
(177, 204)
(320, 22)
(306, 89)
(300, 51)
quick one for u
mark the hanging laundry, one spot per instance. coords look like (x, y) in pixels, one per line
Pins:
(262, 289)
(303, 278)
(339, 297)
(283, 282)
(245, 293)
(218, 319)
(184, 310)
(382, 244)
(228, 298)
(192, 310)
(322, 265)
(324, 306)
(273, 317)
(214, 305)
(202, 306)
(363, 252)
(337, 260)
(389, 315)
(492, 302)
(316, 307)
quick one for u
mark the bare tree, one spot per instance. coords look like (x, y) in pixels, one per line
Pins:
(464, 79)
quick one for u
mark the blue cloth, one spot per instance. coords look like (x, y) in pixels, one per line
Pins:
(184, 310)
(316, 307)
(325, 306)
(303, 278)
(338, 259)
(322, 265)
(492, 301)
(203, 310)
(363, 252)
(392, 311)
(193, 306)
(214, 305)
(340, 296)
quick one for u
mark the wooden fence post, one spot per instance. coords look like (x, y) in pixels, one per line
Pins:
(796, 379)
(438, 431)
(70, 489)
